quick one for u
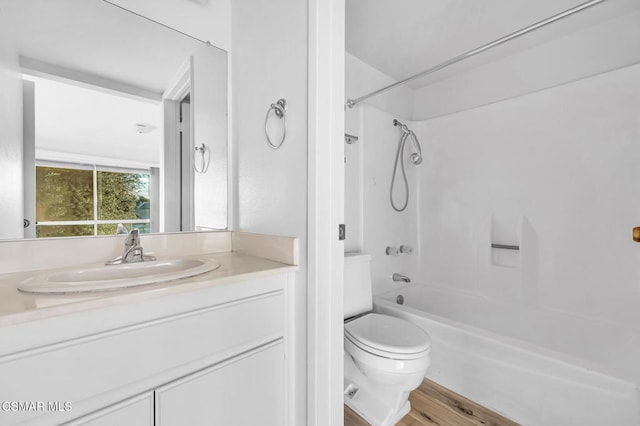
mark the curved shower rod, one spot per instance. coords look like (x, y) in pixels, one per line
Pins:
(579, 8)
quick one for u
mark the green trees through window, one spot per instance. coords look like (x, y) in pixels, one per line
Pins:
(120, 196)
(66, 205)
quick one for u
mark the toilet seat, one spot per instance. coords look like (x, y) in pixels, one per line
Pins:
(388, 337)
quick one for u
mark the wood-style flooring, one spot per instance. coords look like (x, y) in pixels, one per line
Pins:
(432, 404)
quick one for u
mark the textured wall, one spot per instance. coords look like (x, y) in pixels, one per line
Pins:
(269, 61)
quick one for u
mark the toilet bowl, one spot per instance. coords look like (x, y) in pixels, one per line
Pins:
(386, 349)
(385, 357)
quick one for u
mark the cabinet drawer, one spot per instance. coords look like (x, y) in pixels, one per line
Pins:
(137, 358)
(136, 411)
(246, 390)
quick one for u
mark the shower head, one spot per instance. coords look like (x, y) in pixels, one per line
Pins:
(416, 155)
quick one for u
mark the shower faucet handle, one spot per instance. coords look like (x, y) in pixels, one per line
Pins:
(406, 249)
(391, 251)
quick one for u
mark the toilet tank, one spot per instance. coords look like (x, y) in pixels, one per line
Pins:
(357, 284)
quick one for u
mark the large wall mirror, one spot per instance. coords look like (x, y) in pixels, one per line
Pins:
(108, 121)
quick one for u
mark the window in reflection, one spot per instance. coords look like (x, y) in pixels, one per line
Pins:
(79, 200)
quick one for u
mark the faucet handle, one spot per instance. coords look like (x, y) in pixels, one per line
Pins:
(133, 239)
(406, 249)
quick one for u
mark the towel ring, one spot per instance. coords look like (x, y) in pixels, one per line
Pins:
(204, 156)
(280, 110)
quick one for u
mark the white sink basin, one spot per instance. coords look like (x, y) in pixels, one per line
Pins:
(113, 277)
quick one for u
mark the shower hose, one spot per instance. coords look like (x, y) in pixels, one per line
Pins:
(399, 157)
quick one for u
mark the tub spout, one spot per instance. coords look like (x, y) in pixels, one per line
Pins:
(400, 277)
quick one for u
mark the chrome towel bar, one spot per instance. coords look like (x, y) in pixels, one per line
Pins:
(505, 246)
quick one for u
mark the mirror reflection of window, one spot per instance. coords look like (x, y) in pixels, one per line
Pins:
(79, 200)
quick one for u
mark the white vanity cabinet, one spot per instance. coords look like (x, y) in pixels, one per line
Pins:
(217, 355)
(247, 389)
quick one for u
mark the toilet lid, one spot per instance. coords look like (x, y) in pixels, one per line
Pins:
(388, 334)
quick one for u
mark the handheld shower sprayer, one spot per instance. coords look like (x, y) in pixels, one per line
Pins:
(415, 157)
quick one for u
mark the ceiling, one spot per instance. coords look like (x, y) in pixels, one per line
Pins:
(95, 124)
(404, 37)
(96, 38)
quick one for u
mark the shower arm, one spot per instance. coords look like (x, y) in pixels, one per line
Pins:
(514, 35)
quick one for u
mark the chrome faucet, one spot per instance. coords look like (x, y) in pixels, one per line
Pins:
(132, 250)
(398, 277)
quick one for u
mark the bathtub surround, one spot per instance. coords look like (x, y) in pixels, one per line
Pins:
(564, 159)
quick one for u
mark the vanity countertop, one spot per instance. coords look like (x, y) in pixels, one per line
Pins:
(17, 307)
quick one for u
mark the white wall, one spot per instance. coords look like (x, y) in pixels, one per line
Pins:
(269, 61)
(11, 180)
(555, 172)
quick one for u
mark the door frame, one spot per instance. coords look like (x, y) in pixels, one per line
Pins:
(326, 21)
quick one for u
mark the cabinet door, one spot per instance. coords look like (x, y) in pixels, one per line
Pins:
(246, 390)
(136, 411)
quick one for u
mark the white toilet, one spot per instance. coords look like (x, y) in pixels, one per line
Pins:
(385, 357)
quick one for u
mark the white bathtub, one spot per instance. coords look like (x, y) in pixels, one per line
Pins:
(535, 367)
